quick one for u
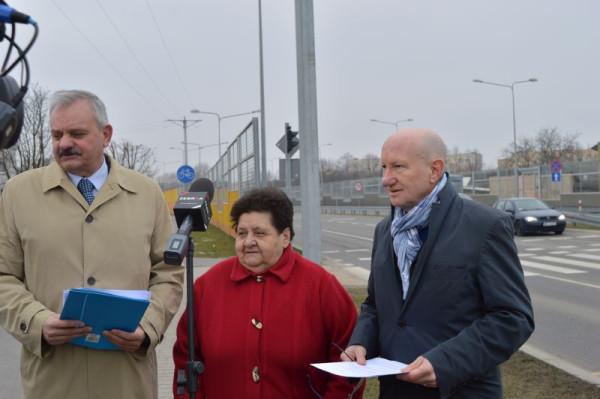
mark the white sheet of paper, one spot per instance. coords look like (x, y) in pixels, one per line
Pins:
(374, 368)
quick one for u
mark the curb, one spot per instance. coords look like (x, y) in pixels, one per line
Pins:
(561, 364)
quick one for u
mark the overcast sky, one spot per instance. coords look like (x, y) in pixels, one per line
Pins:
(388, 60)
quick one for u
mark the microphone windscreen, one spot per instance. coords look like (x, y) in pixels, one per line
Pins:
(203, 185)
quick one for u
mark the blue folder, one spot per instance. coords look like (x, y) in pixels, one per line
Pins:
(102, 310)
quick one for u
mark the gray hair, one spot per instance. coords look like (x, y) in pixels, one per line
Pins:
(64, 98)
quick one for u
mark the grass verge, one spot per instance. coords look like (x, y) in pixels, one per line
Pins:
(523, 376)
(213, 243)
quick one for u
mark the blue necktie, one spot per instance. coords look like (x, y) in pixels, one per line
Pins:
(86, 188)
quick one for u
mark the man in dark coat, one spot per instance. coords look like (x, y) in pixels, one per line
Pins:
(446, 292)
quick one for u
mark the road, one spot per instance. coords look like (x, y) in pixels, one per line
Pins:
(562, 274)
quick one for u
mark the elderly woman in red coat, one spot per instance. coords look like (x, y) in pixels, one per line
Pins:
(264, 316)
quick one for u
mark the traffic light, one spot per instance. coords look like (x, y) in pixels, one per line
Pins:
(292, 140)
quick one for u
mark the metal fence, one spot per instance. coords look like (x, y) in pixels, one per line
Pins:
(575, 178)
(537, 181)
(238, 167)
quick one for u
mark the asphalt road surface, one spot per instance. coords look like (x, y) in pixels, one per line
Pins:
(562, 274)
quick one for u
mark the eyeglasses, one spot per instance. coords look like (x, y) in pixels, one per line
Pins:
(355, 389)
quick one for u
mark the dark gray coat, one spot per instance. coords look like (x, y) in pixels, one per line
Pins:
(467, 309)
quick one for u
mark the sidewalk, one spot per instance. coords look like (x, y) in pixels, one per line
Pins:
(348, 276)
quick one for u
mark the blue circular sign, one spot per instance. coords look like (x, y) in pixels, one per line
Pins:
(185, 174)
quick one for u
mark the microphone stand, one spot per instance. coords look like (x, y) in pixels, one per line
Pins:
(188, 378)
(194, 367)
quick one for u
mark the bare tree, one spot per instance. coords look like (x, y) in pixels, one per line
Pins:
(554, 145)
(547, 145)
(373, 165)
(526, 155)
(134, 156)
(33, 149)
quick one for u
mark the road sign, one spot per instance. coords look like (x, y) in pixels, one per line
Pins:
(555, 166)
(185, 174)
(358, 186)
(555, 176)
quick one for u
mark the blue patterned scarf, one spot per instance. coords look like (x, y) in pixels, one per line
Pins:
(406, 235)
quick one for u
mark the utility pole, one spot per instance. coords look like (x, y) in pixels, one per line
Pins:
(263, 134)
(184, 123)
(307, 119)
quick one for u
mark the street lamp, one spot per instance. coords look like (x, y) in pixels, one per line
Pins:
(202, 146)
(219, 119)
(512, 92)
(183, 153)
(395, 124)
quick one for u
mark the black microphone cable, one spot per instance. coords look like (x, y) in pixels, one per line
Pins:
(25, 72)
(22, 52)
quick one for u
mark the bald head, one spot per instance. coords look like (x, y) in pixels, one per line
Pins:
(413, 162)
(426, 144)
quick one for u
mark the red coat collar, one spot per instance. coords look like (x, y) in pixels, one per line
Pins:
(282, 269)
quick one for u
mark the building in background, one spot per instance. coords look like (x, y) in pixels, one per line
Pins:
(464, 163)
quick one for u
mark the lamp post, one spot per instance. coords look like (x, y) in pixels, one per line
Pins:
(202, 146)
(219, 119)
(183, 153)
(395, 124)
(511, 86)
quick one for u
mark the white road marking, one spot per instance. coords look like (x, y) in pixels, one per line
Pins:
(348, 235)
(534, 249)
(363, 259)
(566, 280)
(586, 256)
(558, 252)
(358, 250)
(589, 236)
(555, 269)
(592, 249)
(525, 255)
(334, 251)
(570, 262)
(529, 274)
(566, 246)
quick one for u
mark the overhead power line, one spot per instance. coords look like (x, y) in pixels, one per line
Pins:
(164, 43)
(135, 57)
(110, 64)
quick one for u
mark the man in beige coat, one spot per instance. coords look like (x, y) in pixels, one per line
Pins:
(52, 239)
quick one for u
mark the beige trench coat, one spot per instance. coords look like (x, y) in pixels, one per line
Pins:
(52, 240)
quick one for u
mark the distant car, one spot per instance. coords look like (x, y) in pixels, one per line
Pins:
(530, 215)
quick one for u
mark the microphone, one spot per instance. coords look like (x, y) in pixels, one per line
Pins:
(10, 15)
(11, 92)
(192, 213)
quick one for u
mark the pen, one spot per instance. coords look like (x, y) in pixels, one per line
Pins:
(343, 351)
